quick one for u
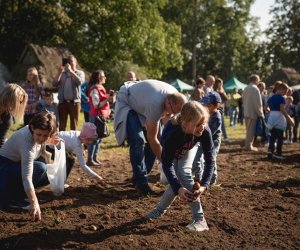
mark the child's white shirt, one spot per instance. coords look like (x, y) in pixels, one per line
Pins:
(73, 144)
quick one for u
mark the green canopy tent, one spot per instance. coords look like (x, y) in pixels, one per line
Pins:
(233, 83)
(181, 86)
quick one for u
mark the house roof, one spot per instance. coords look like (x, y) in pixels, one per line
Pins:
(47, 60)
(288, 75)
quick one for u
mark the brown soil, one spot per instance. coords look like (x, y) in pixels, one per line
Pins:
(256, 207)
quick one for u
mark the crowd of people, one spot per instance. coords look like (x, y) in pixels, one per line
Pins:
(157, 121)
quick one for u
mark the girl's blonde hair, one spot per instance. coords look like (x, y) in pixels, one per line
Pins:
(192, 111)
(13, 99)
(35, 81)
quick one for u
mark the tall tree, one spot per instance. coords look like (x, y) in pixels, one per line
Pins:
(284, 35)
(101, 33)
(23, 22)
(215, 37)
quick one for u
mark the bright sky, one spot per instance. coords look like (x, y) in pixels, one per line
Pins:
(261, 9)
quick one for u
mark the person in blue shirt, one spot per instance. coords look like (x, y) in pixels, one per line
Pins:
(277, 121)
(85, 105)
(179, 145)
(211, 101)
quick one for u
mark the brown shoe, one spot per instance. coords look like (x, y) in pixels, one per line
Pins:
(92, 163)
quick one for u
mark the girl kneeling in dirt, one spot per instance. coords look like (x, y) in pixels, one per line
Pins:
(20, 174)
(73, 142)
(179, 138)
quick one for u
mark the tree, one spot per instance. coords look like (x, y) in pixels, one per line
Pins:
(33, 21)
(100, 33)
(284, 35)
(215, 37)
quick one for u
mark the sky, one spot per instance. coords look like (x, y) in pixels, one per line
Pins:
(261, 9)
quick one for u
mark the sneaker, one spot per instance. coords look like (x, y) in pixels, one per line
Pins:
(98, 162)
(20, 204)
(199, 225)
(279, 157)
(144, 189)
(155, 213)
(227, 140)
(92, 163)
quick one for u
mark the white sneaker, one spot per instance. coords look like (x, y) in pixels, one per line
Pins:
(199, 225)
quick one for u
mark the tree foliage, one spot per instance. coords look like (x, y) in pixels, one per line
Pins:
(215, 37)
(284, 35)
(100, 33)
(158, 39)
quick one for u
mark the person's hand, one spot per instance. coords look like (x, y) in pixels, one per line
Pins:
(35, 211)
(100, 181)
(110, 98)
(53, 140)
(202, 189)
(185, 194)
(68, 67)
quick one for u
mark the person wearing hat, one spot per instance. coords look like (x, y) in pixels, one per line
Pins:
(73, 142)
(212, 102)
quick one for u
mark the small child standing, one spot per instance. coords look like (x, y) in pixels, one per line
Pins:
(212, 101)
(179, 138)
(277, 121)
(48, 104)
(73, 142)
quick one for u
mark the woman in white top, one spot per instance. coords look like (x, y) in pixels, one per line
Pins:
(19, 170)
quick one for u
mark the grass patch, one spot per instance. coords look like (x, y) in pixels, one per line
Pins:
(109, 144)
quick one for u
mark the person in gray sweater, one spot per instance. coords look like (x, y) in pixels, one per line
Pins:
(20, 172)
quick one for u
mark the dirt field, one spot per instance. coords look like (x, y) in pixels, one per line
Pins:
(256, 207)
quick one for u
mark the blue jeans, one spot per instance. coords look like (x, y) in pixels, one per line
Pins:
(141, 156)
(223, 128)
(233, 114)
(183, 169)
(93, 149)
(198, 164)
(11, 184)
(297, 122)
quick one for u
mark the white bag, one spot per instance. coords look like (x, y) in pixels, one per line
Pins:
(56, 171)
(163, 179)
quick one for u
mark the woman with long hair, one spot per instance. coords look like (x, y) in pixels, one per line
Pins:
(13, 99)
(34, 90)
(99, 106)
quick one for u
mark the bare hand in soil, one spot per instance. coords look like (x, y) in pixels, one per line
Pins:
(100, 181)
(185, 194)
(35, 212)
